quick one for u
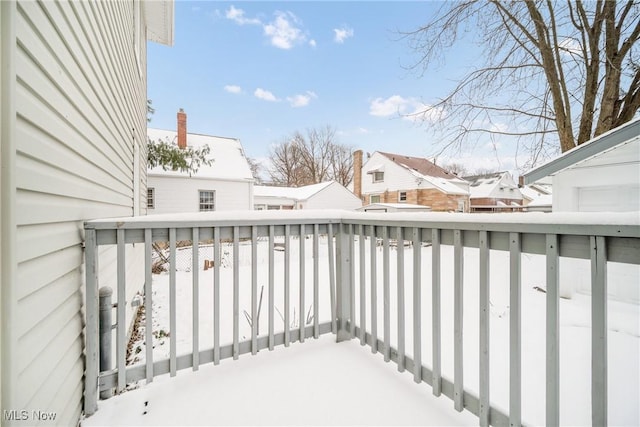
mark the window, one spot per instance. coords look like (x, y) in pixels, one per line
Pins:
(273, 207)
(207, 200)
(402, 196)
(374, 199)
(151, 198)
(378, 176)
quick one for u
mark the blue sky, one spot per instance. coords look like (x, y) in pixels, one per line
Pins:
(259, 71)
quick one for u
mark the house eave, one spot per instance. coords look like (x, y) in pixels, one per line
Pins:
(159, 16)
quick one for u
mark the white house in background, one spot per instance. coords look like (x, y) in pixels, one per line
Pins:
(73, 127)
(601, 175)
(396, 178)
(226, 184)
(325, 195)
(536, 197)
(494, 192)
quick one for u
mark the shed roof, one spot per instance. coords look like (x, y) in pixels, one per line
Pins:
(229, 161)
(627, 135)
(296, 193)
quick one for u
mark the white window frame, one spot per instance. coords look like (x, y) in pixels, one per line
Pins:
(203, 206)
(151, 198)
(371, 198)
(378, 176)
(402, 196)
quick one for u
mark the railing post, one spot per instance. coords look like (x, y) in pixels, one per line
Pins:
(343, 284)
(91, 363)
(105, 308)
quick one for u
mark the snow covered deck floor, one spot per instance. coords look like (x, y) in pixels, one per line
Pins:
(319, 382)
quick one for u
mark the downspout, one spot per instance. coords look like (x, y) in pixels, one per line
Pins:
(8, 228)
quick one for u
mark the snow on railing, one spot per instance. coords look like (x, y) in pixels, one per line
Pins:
(361, 291)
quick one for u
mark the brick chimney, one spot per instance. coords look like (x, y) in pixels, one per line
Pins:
(357, 173)
(182, 129)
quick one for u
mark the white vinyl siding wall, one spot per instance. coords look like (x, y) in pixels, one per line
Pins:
(81, 107)
(181, 194)
(335, 196)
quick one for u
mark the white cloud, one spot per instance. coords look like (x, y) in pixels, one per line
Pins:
(233, 89)
(265, 95)
(312, 43)
(410, 109)
(341, 34)
(283, 32)
(301, 100)
(237, 15)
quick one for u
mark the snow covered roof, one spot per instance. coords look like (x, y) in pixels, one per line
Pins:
(398, 206)
(624, 139)
(482, 186)
(229, 161)
(420, 165)
(295, 193)
(533, 192)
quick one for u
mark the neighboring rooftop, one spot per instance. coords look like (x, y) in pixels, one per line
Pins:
(229, 161)
(296, 193)
(485, 185)
(420, 165)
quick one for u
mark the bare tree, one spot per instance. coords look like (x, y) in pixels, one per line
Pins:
(256, 169)
(312, 158)
(555, 75)
(455, 168)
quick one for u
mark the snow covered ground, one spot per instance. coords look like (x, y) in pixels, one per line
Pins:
(272, 389)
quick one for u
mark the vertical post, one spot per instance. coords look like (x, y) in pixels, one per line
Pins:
(343, 283)
(400, 296)
(352, 282)
(216, 295)
(92, 367)
(436, 381)
(236, 292)
(363, 288)
(287, 279)
(148, 303)
(271, 288)
(553, 333)
(599, 393)
(515, 344)
(374, 291)
(195, 300)
(254, 291)
(332, 278)
(106, 306)
(302, 260)
(417, 305)
(121, 331)
(316, 283)
(458, 288)
(386, 294)
(485, 402)
(172, 303)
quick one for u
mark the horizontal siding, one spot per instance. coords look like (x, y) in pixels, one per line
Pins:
(395, 177)
(81, 107)
(175, 195)
(333, 197)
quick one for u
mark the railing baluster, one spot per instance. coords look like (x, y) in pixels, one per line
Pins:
(121, 344)
(343, 293)
(236, 292)
(374, 291)
(485, 405)
(148, 304)
(553, 333)
(363, 292)
(287, 279)
(302, 260)
(352, 282)
(254, 290)
(386, 293)
(458, 289)
(515, 322)
(599, 392)
(271, 287)
(332, 278)
(417, 305)
(316, 283)
(195, 275)
(92, 329)
(172, 303)
(400, 291)
(436, 381)
(216, 295)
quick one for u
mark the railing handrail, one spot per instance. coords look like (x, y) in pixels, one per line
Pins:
(619, 224)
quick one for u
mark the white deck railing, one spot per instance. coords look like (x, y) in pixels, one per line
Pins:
(355, 279)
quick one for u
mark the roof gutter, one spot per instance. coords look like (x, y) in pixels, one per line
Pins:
(8, 227)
